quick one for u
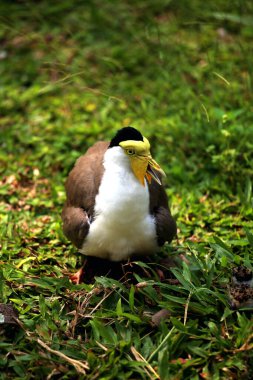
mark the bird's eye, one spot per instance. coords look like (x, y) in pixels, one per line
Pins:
(130, 152)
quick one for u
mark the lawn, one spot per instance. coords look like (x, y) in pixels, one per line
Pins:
(72, 73)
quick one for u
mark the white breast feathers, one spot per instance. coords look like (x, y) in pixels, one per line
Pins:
(122, 225)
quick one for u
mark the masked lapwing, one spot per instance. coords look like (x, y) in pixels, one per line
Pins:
(116, 204)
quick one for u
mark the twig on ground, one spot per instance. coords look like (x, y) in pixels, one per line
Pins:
(80, 367)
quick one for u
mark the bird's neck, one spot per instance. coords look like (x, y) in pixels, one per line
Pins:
(116, 160)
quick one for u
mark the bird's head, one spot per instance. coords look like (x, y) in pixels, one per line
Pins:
(137, 148)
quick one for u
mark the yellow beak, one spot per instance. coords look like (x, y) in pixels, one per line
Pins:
(152, 164)
(146, 167)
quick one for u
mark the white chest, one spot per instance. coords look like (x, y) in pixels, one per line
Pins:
(122, 224)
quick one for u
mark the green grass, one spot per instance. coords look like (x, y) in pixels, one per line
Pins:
(71, 74)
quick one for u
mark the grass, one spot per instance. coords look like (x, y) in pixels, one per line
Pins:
(73, 73)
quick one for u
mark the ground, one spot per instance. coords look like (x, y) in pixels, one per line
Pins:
(73, 73)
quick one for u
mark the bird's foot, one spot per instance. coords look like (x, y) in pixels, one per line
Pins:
(77, 277)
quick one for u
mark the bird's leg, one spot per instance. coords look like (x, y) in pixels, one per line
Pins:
(77, 277)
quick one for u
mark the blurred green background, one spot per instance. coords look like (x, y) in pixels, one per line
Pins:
(74, 72)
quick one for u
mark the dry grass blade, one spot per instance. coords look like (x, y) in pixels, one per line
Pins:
(148, 368)
(245, 347)
(101, 301)
(102, 346)
(79, 366)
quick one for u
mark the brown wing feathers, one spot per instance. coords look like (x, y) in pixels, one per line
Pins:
(166, 227)
(81, 188)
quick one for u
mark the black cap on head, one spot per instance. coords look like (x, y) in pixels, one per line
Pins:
(124, 134)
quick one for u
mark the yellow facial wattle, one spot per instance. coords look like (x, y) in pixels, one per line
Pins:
(141, 161)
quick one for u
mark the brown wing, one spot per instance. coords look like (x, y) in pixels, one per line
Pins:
(166, 227)
(81, 188)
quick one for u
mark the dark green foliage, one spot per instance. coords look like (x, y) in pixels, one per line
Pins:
(73, 73)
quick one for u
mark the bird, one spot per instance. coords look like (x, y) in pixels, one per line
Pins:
(116, 205)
